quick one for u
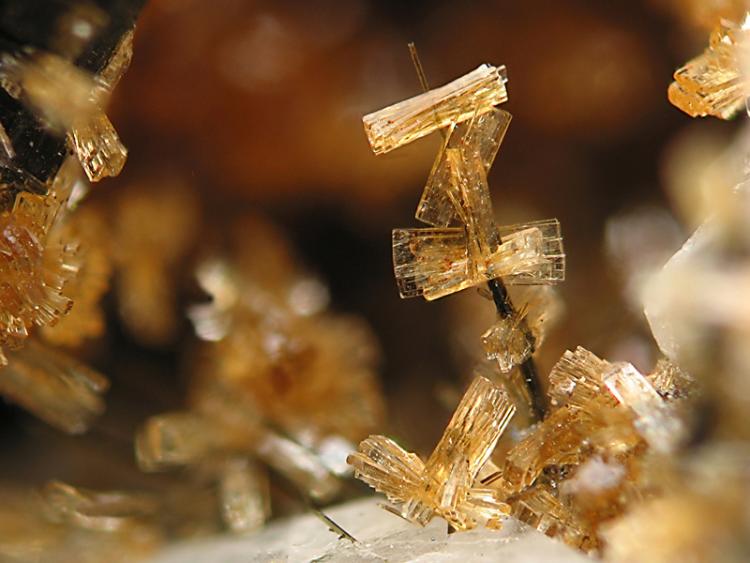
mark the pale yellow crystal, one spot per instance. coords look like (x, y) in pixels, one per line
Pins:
(653, 419)
(98, 147)
(244, 495)
(298, 464)
(482, 135)
(544, 259)
(436, 262)
(715, 83)
(576, 378)
(542, 510)
(444, 485)
(474, 93)
(507, 342)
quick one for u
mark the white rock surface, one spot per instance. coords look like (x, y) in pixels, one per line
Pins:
(381, 536)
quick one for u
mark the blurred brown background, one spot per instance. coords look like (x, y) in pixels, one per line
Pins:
(258, 105)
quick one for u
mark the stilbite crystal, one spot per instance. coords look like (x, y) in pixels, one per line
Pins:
(476, 92)
(481, 136)
(445, 484)
(434, 263)
(507, 343)
(715, 83)
(35, 267)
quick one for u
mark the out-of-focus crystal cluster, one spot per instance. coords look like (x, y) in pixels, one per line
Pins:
(54, 263)
(446, 484)
(716, 82)
(65, 523)
(278, 382)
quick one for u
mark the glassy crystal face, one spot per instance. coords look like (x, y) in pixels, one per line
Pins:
(475, 93)
(715, 83)
(446, 484)
(434, 263)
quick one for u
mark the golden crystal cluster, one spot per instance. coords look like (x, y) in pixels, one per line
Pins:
(446, 484)
(54, 260)
(717, 82)
(589, 459)
(463, 246)
(278, 382)
(71, 101)
(571, 474)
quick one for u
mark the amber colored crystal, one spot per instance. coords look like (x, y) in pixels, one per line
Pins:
(481, 136)
(445, 484)
(434, 263)
(35, 267)
(474, 93)
(671, 381)
(714, 83)
(555, 441)
(507, 342)
(576, 378)
(98, 147)
(57, 90)
(55, 387)
(94, 266)
(541, 509)
(653, 419)
(92, 137)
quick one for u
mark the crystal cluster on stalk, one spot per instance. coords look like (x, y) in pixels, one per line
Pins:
(717, 82)
(463, 246)
(278, 382)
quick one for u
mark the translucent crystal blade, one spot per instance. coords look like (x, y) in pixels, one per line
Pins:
(576, 378)
(474, 93)
(388, 468)
(297, 464)
(542, 510)
(482, 135)
(555, 441)
(481, 232)
(178, 438)
(430, 262)
(550, 269)
(654, 421)
(468, 440)
(713, 83)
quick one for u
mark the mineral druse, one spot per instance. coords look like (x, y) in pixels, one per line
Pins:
(715, 83)
(446, 484)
